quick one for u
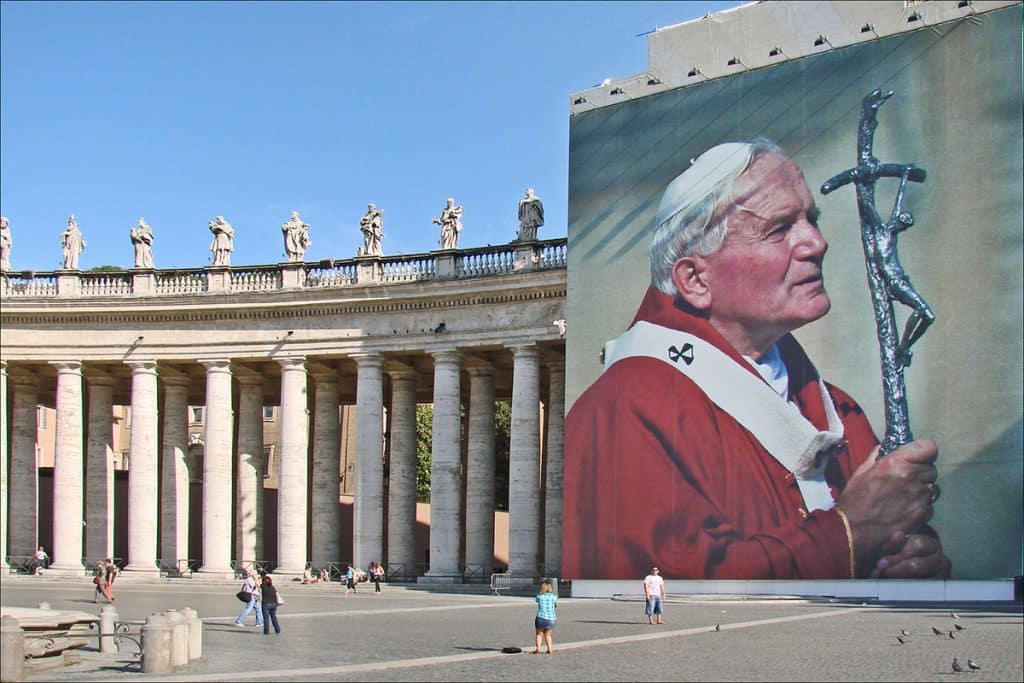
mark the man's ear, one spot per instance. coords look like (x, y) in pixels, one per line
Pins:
(689, 275)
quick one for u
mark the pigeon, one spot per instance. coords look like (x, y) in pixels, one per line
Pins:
(958, 627)
(718, 627)
(951, 636)
(956, 666)
(954, 615)
(973, 665)
(937, 631)
(904, 632)
(900, 638)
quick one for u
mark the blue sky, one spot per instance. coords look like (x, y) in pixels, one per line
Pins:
(179, 112)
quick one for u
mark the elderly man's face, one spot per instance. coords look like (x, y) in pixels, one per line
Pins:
(766, 280)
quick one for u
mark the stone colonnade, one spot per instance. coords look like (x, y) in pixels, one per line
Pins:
(384, 513)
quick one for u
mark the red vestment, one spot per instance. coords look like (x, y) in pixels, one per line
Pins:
(657, 474)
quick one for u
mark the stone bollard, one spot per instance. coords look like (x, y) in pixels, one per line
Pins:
(108, 621)
(179, 637)
(12, 651)
(156, 645)
(195, 633)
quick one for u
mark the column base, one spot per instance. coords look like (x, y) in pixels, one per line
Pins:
(429, 578)
(141, 569)
(216, 573)
(64, 570)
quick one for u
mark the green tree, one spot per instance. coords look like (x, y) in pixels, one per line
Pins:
(424, 423)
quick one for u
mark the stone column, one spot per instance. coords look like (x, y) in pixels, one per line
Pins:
(3, 464)
(445, 470)
(99, 467)
(217, 448)
(142, 469)
(68, 493)
(326, 508)
(480, 470)
(368, 515)
(249, 506)
(524, 464)
(402, 474)
(292, 500)
(553, 455)
(174, 492)
(24, 496)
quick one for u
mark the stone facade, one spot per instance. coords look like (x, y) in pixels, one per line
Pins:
(374, 335)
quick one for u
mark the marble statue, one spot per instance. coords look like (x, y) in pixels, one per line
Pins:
(142, 239)
(451, 224)
(296, 237)
(372, 226)
(531, 216)
(73, 243)
(223, 241)
(6, 242)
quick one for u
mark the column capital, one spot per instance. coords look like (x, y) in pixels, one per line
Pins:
(524, 349)
(174, 377)
(367, 359)
(322, 371)
(217, 365)
(66, 366)
(480, 369)
(98, 377)
(140, 367)
(3, 365)
(397, 368)
(449, 355)
(555, 364)
(292, 363)
(246, 375)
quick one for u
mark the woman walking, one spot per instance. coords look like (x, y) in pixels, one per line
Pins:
(99, 578)
(350, 579)
(270, 602)
(544, 622)
(250, 586)
(376, 575)
(110, 575)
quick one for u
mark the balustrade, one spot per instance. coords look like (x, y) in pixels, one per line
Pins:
(469, 263)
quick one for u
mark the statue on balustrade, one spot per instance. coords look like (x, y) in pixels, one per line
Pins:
(73, 242)
(531, 216)
(223, 241)
(451, 224)
(296, 237)
(372, 226)
(142, 240)
(6, 242)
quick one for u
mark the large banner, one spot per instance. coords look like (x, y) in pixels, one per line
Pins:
(669, 459)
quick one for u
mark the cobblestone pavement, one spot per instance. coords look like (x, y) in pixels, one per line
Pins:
(411, 634)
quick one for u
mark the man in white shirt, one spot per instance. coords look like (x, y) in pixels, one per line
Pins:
(654, 594)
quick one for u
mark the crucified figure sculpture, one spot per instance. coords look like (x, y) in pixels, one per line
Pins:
(886, 278)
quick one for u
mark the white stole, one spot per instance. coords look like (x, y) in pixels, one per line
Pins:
(787, 435)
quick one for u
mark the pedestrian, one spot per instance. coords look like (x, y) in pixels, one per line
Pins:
(350, 579)
(250, 586)
(376, 575)
(654, 595)
(544, 622)
(40, 561)
(271, 599)
(110, 573)
(99, 578)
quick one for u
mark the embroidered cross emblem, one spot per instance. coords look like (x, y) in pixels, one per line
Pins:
(686, 353)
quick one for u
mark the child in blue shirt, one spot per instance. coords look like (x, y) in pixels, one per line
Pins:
(544, 622)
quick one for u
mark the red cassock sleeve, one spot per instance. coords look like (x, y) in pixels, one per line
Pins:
(656, 474)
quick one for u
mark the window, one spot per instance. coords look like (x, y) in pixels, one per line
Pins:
(268, 460)
(41, 417)
(195, 415)
(268, 413)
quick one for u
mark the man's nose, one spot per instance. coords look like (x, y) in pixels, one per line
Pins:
(812, 243)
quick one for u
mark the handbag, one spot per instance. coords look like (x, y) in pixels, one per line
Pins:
(280, 598)
(96, 580)
(244, 596)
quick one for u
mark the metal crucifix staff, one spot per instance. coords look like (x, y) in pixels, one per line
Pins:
(886, 278)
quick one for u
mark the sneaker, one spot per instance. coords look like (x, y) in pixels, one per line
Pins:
(239, 625)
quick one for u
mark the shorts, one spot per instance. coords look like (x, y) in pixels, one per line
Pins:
(542, 624)
(653, 605)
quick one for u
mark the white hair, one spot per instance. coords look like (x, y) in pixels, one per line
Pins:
(688, 220)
